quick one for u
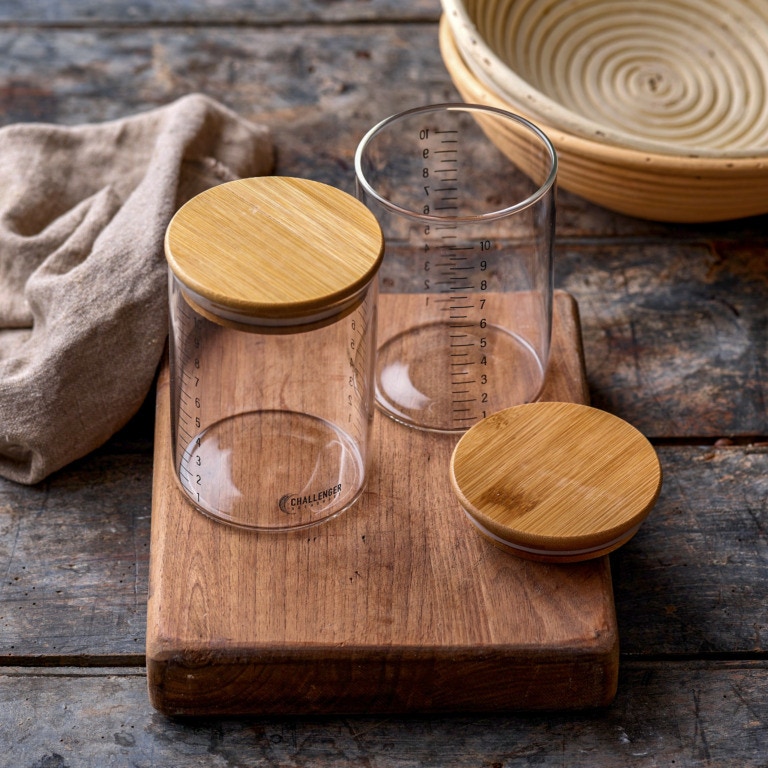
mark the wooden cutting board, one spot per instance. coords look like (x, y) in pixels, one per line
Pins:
(398, 605)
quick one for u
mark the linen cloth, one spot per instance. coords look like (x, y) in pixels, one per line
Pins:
(83, 276)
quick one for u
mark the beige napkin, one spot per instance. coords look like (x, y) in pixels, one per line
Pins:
(83, 303)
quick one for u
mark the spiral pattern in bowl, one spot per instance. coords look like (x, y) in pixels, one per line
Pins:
(680, 76)
(662, 186)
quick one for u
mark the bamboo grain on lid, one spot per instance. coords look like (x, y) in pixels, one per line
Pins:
(557, 482)
(274, 248)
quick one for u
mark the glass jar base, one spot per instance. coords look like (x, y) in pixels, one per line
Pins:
(272, 470)
(441, 378)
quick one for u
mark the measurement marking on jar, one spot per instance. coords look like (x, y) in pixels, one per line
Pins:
(453, 274)
(189, 414)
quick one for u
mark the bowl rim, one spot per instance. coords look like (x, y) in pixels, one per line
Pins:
(475, 52)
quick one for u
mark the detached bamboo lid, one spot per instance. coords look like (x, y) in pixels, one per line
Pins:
(275, 250)
(558, 482)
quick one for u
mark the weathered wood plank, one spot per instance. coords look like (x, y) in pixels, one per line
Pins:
(296, 77)
(675, 333)
(312, 85)
(319, 87)
(234, 12)
(694, 579)
(74, 558)
(665, 714)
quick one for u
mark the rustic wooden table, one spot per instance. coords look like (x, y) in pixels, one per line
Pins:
(675, 326)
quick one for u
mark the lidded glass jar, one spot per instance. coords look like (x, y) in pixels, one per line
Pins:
(273, 288)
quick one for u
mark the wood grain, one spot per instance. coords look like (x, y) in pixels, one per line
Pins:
(395, 606)
(679, 582)
(675, 332)
(556, 482)
(274, 249)
(126, 13)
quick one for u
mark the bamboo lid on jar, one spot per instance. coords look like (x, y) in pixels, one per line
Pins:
(557, 482)
(275, 250)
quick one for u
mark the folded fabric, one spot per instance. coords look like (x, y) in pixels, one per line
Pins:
(83, 285)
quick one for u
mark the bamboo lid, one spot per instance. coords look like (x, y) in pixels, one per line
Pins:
(273, 249)
(558, 482)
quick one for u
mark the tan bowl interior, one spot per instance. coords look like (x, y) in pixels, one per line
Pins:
(648, 185)
(679, 77)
